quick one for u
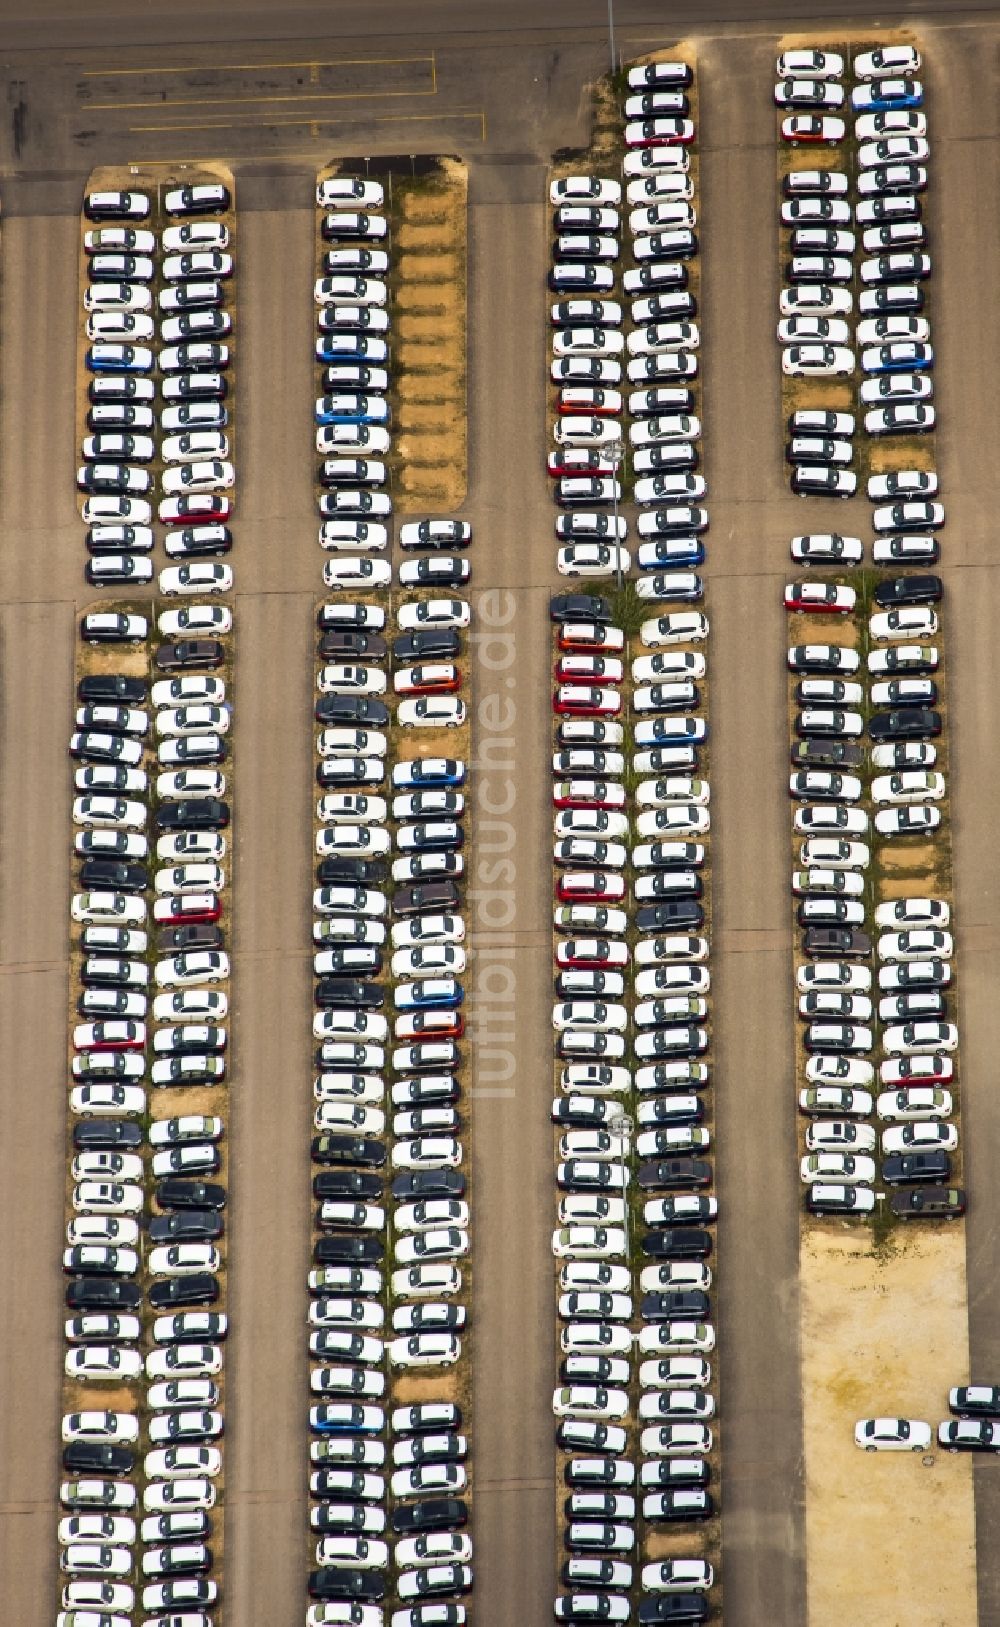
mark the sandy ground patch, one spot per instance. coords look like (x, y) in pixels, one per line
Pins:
(863, 1355)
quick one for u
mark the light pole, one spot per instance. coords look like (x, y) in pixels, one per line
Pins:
(611, 31)
(616, 452)
(622, 1126)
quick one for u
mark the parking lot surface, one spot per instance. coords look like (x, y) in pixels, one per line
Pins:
(40, 582)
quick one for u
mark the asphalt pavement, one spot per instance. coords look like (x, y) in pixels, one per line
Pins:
(514, 65)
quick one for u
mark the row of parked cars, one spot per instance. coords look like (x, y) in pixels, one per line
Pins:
(157, 351)
(635, 1207)
(974, 1426)
(146, 1227)
(391, 1225)
(594, 349)
(822, 334)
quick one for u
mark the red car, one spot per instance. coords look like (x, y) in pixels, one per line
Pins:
(199, 506)
(113, 1035)
(588, 398)
(820, 598)
(430, 1025)
(587, 794)
(591, 952)
(589, 887)
(658, 133)
(812, 127)
(589, 669)
(586, 700)
(589, 635)
(578, 460)
(903, 1071)
(435, 678)
(187, 908)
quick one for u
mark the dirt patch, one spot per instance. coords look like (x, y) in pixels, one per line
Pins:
(922, 857)
(860, 1358)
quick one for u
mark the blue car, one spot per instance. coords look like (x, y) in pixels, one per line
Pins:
(671, 731)
(346, 1418)
(427, 771)
(430, 994)
(350, 408)
(108, 358)
(670, 553)
(887, 95)
(898, 356)
(337, 347)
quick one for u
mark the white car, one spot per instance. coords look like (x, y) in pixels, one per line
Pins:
(584, 189)
(181, 1493)
(815, 299)
(183, 478)
(356, 571)
(198, 966)
(432, 613)
(587, 342)
(892, 1435)
(913, 1104)
(592, 559)
(919, 911)
(107, 1364)
(194, 784)
(914, 622)
(109, 813)
(425, 1350)
(918, 1038)
(887, 61)
(919, 943)
(590, 1401)
(181, 1259)
(838, 1167)
(432, 712)
(589, 1243)
(184, 1361)
(196, 621)
(813, 361)
(103, 1101)
(909, 786)
(179, 1462)
(200, 576)
(811, 330)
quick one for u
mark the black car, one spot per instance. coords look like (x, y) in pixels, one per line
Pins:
(352, 992)
(107, 1135)
(675, 1174)
(929, 1203)
(347, 1183)
(174, 940)
(189, 653)
(337, 1583)
(189, 1226)
(351, 642)
(900, 590)
(172, 1293)
(103, 1294)
(969, 1435)
(427, 898)
(427, 643)
(677, 1243)
(87, 1457)
(579, 607)
(362, 872)
(204, 813)
(117, 875)
(681, 1109)
(98, 688)
(670, 917)
(912, 723)
(429, 1183)
(823, 911)
(351, 710)
(826, 754)
(916, 1166)
(177, 1193)
(676, 1472)
(436, 1514)
(333, 1148)
(343, 1248)
(673, 1608)
(975, 1401)
(836, 942)
(687, 1305)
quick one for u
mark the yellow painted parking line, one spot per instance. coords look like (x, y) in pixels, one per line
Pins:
(245, 67)
(255, 124)
(236, 101)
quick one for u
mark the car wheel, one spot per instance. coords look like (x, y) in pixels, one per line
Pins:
(870, 1448)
